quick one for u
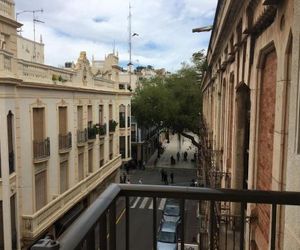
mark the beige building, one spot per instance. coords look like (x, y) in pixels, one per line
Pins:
(251, 107)
(60, 139)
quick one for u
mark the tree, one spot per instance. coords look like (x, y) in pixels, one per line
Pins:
(172, 102)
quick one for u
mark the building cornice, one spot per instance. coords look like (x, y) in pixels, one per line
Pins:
(10, 22)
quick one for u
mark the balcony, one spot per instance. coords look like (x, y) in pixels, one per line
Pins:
(102, 129)
(81, 235)
(41, 149)
(35, 224)
(82, 137)
(92, 132)
(112, 126)
(65, 142)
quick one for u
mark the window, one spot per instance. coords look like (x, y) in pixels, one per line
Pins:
(90, 161)
(90, 115)
(101, 114)
(101, 153)
(80, 166)
(40, 189)
(64, 183)
(122, 120)
(62, 113)
(38, 124)
(13, 221)
(10, 135)
(122, 146)
(111, 146)
(128, 147)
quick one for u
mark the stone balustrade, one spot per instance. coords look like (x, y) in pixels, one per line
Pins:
(37, 223)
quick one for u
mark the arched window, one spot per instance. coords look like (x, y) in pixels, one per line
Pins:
(10, 135)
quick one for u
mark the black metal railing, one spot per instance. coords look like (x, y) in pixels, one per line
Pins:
(82, 136)
(112, 125)
(92, 132)
(102, 214)
(41, 148)
(65, 141)
(102, 129)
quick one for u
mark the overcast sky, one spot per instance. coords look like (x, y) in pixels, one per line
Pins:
(164, 27)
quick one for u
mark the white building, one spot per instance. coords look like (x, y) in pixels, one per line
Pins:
(59, 139)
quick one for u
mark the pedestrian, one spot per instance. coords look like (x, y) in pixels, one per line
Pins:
(140, 181)
(185, 156)
(178, 156)
(127, 168)
(124, 178)
(162, 172)
(166, 178)
(144, 165)
(128, 181)
(172, 177)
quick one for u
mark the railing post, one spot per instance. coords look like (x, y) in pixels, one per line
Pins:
(103, 232)
(112, 225)
(182, 207)
(273, 228)
(212, 217)
(90, 241)
(154, 223)
(127, 222)
(242, 225)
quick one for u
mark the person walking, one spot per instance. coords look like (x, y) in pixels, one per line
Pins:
(128, 181)
(166, 178)
(178, 156)
(162, 172)
(140, 181)
(172, 177)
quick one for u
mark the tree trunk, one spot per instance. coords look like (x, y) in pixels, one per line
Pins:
(192, 138)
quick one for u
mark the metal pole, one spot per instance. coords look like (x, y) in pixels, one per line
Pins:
(154, 223)
(103, 232)
(273, 230)
(112, 226)
(182, 206)
(127, 222)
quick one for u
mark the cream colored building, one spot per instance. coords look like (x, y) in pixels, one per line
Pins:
(251, 107)
(59, 144)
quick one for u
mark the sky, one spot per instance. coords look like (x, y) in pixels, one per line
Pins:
(164, 29)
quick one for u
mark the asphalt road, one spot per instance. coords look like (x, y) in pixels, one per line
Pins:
(141, 209)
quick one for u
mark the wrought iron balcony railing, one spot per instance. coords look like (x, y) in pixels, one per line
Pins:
(81, 234)
(41, 148)
(65, 141)
(102, 129)
(82, 136)
(92, 132)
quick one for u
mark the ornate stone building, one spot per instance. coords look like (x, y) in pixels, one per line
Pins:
(59, 138)
(251, 107)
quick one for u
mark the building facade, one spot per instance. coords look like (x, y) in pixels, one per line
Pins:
(60, 139)
(251, 108)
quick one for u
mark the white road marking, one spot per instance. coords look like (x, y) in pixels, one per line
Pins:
(145, 200)
(136, 202)
(162, 204)
(151, 204)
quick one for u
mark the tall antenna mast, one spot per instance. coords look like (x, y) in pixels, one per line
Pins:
(35, 20)
(129, 43)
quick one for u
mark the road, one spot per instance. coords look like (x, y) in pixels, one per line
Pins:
(141, 208)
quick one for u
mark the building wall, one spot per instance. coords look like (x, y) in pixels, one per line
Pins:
(258, 54)
(26, 50)
(25, 85)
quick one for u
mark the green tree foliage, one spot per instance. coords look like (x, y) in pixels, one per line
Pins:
(172, 102)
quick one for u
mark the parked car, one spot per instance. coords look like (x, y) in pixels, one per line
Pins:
(167, 236)
(172, 211)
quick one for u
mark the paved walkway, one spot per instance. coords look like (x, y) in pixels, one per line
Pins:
(171, 149)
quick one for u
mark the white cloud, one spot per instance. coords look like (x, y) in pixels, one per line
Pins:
(164, 27)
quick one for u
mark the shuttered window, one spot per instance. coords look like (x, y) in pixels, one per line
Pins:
(110, 112)
(64, 176)
(101, 114)
(80, 117)
(62, 120)
(91, 161)
(40, 189)
(38, 123)
(80, 167)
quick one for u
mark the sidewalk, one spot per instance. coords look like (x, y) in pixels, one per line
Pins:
(171, 149)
